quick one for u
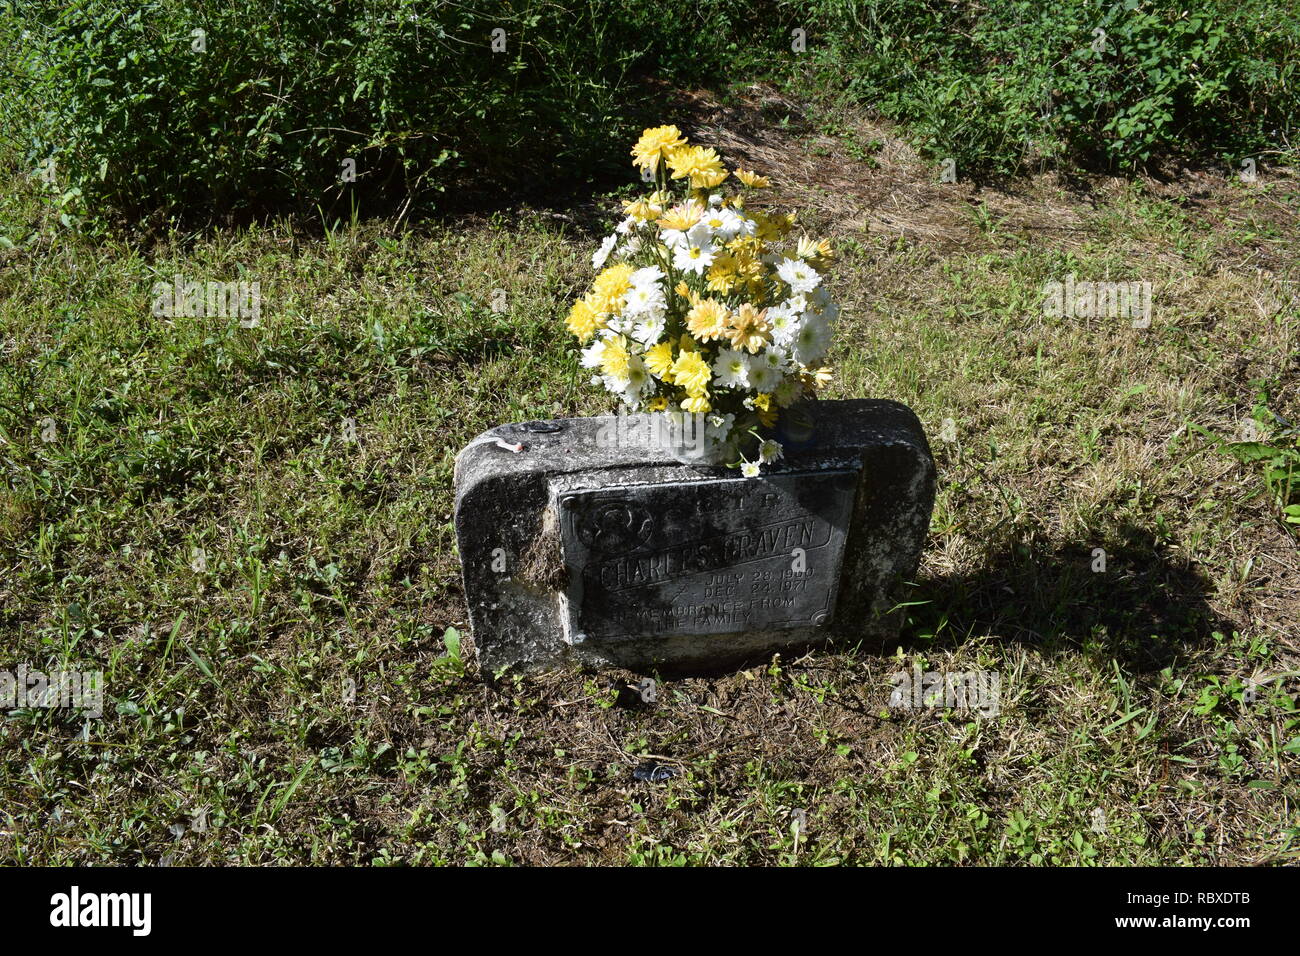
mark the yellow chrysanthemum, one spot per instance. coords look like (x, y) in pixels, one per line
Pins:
(659, 360)
(709, 179)
(773, 228)
(748, 329)
(613, 282)
(656, 143)
(642, 209)
(821, 376)
(695, 162)
(696, 403)
(657, 404)
(722, 275)
(582, 320)
(752, 179)
(692, 373)
(765, 407)
(604, 305)
(614, 357)
(682, 216)
(749, 268)
(814, 250)
(707, 320)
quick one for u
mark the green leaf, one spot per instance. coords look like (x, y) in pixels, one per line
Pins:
(1248, 451)
(451, 637)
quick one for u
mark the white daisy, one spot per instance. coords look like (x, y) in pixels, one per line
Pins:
(749, 469)
(672, 238)
(731, 369)
(719, 426)
(650, 329)
(615, 383)
(798, 275)
(723, 223)
(812, 341)
(638, 382)
(695, 259)
(762, 377)
(700, 234)
(622, 324)
(648, 275)
(644, 299)
(788, 392)
(591, 354)
(600, 255)
(770, 451)
(785, 322)
(774, 361)
(776, 358)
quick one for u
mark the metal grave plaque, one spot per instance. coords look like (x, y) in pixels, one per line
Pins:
(705, 557)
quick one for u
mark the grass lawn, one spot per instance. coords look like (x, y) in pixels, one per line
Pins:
(249, 531)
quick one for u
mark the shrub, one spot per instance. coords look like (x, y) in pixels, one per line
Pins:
(261, 110)
(263, 107)
(1003, 82)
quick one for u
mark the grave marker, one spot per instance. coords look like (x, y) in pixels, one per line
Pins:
(573, 550)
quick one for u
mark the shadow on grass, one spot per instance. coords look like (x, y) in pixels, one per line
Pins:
(1145, 609)
(578, 193)
(575, 191)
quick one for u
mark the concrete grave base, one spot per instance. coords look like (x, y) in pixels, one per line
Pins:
(612, 553)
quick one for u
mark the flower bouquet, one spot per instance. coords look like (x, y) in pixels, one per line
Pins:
(711, 309)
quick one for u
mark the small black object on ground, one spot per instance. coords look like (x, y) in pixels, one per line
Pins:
(654, 772)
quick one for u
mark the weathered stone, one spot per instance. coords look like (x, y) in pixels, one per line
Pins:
(574, 549)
